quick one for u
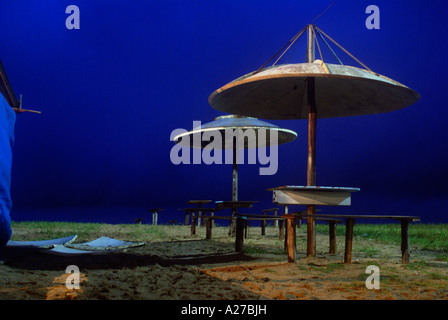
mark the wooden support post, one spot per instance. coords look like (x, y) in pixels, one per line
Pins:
(275, 221)
(405, 241)
(312, 124)
(239, 237)
(193, 225)
(187, 217)
(208, 232)
(291, 239)
(199, 216)
(311, 231)
(154, 217)
(232, 222)
(285, 242)
(281, 230)
(349, 223)
(332, 234)
(263, 227)
(299, 222)
(246, 229)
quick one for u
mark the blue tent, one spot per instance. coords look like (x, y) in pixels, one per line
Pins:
(7, 122)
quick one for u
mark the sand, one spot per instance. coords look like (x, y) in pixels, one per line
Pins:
(186, 267)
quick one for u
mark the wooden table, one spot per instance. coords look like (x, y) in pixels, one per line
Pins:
(234, 205)
(155, 215)
(312, 196)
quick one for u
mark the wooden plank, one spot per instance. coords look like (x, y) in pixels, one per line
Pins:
(361, 216)
(349, 223)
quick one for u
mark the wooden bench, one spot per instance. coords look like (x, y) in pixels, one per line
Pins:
(349, 224)
(275, 210)
(242, 229)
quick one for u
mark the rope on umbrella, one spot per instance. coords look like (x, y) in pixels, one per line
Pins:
(278, 52)
(328, 46)
(344, 49)
(296, 38)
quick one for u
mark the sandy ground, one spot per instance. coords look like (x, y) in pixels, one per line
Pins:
(189, 267)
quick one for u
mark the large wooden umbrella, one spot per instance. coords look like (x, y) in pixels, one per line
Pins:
(311, 90)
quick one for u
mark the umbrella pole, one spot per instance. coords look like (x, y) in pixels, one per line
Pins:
(234, 187)
(311, 171)
(235, 176)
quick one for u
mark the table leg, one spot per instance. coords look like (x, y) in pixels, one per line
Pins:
(239, 237)
(193, 225)
(349, 223)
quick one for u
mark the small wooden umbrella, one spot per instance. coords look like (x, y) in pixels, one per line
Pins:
(233, 122)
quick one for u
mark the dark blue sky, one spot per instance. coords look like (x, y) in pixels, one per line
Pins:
(112, 92)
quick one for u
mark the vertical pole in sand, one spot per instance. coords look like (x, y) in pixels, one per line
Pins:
(311, 171)
(234, 186)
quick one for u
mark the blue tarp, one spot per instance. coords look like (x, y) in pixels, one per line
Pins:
(7, 122)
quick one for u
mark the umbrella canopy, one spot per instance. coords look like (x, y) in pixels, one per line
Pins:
(280, 92)
(234, 122)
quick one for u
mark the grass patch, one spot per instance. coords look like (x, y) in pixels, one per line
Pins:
(42, 230)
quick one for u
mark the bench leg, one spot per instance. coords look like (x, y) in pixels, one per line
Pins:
(239, 237)
(199, 218)
(349, 223)
(232, 223)
(246, 229)
(187, 218)
(405, 241)
(193, 225)
(275, 221)
(208, 232)
(263, 227)
(332, 233)
(291, 239)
